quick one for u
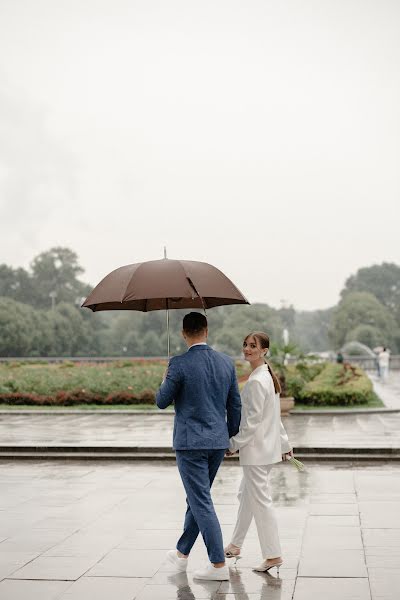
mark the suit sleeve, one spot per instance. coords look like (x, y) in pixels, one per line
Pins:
(285, 445)
(233, 406)
(253, 416)
(170, 387)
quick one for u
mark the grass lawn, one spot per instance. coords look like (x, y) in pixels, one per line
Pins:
(126, 379)
(106, 378)
(131, 384)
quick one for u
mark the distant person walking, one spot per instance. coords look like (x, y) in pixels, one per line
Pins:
(383, 362)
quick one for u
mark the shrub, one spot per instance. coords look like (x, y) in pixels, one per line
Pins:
(146, 397)
(22, 398)
(337, 385)
(294, 377)
(76, 397)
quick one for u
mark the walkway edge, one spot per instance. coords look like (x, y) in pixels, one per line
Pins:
(161, 413)
(163, 453)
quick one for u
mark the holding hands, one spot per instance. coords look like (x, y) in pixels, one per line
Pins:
(229, 453)
(287, 455)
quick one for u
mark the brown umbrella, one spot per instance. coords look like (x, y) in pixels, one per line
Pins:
(162, 285)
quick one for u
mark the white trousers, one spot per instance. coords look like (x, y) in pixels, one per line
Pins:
(384, 371)
(255, 501)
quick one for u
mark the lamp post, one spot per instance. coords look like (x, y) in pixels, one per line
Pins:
(53, 296)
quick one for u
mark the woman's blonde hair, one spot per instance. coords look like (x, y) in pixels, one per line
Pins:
(263, 340)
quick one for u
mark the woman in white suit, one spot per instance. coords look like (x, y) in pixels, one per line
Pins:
(261, 442)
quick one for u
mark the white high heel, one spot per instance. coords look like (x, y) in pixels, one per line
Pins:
(232, 551)
(264, 567)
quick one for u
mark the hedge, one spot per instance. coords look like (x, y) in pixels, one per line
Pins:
(337, 385)
(63, 398)
(127, 383)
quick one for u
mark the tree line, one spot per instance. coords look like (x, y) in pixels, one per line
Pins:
(40, 315)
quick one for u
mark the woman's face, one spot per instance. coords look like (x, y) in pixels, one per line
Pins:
(252, 350)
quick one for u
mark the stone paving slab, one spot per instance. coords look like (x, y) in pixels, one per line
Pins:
(80, 531)
(375, 431)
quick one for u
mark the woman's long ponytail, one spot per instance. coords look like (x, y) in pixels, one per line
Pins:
(275, 379)
(263, 338)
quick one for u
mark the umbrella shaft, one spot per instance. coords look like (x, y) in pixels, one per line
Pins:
(168, 339)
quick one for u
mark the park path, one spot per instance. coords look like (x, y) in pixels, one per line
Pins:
(377, 430)
(389, 392)
(101, 529)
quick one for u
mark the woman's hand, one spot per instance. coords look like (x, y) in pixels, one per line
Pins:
(287, 455)
(229, 453)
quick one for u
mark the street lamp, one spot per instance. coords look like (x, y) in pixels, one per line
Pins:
(53, 296)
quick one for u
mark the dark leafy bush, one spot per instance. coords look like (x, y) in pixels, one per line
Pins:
(337, 385)
(77, 397)
(21, 398)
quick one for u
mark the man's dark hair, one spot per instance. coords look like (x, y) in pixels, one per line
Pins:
(194, 323)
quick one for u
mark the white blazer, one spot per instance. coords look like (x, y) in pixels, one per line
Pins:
(262, 438)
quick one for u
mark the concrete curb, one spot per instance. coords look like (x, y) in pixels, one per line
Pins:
(163, 413)
(345, 411)
(21, 452)
(56, 411)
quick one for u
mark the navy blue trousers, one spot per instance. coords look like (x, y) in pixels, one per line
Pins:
(198, 469)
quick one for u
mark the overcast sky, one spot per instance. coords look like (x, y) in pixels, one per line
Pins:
(260, 136)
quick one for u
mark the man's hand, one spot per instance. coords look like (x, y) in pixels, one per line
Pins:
(229, 453)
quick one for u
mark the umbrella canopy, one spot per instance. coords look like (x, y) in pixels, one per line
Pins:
(164, 284)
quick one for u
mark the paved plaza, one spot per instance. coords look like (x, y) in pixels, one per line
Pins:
(155, 430)
(124, 429)
(99, 531)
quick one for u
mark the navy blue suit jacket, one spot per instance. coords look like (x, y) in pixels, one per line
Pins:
(202, 385)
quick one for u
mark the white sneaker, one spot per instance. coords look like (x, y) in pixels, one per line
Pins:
(212, 573)
(179, 563)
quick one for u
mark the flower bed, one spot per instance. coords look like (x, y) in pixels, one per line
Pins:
(332, 385)
(128, 382)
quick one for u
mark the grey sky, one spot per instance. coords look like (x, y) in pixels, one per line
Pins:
(260, 136)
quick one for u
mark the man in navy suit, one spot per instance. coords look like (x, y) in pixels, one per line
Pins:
(202, 385)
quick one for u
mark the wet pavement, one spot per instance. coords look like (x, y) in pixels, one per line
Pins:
(100, 530)
(155, 430)
(389, 392)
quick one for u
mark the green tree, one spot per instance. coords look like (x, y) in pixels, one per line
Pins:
(151, 345)
(56, 272)
(78, 331)
(240, 321)
(288, 316)
(17, 329)
(383, 281)
(367, 334)
(361, 309)
(16, 284)
(44, 342)
(310, 331)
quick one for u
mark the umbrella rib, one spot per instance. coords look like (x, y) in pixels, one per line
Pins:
(129, 280)
(193, 286)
